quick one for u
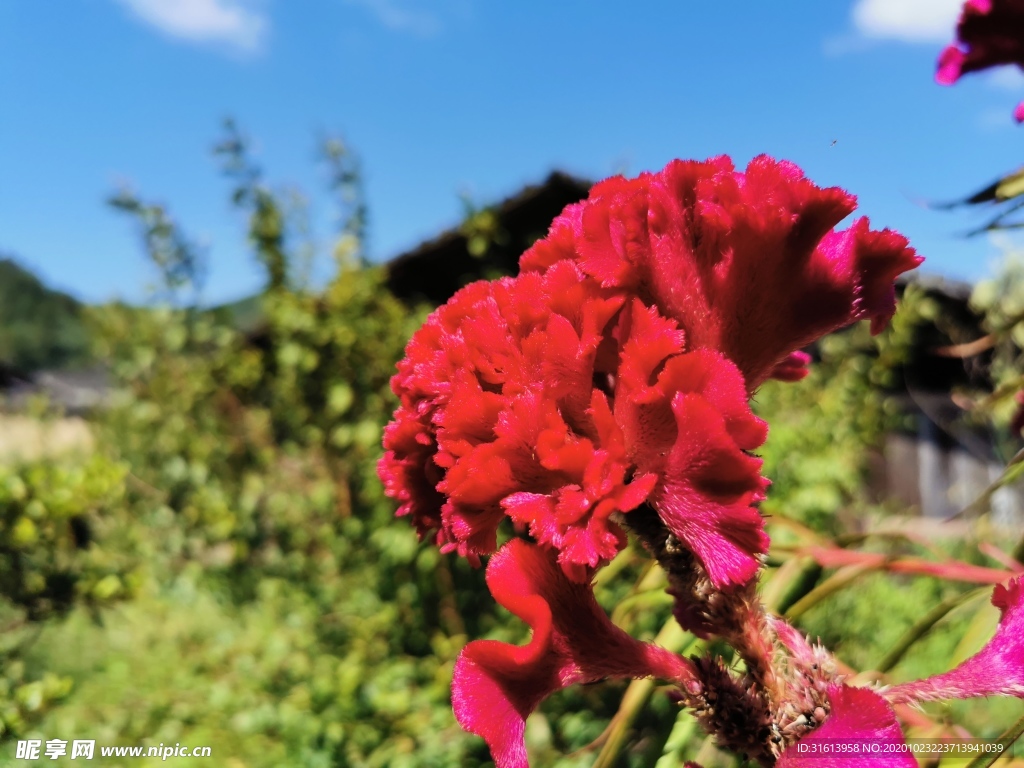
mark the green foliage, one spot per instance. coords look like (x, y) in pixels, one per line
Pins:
(1001, 301)
(177, 260)
(63, 543)
(824, 428)
(1003, 197)
(39, 327)
(482, 228)
(48, 516)
(287, 615)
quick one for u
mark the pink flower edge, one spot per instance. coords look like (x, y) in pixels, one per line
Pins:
(497, 685)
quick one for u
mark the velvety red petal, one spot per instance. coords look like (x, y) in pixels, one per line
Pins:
(857, 716)
(409, 473)
(461, 429)
(650, 374)
(559, 245)
(734, 258)
(497, 390)
(717, 381)
(790, 280)
(497, 685)
(998, 669)
(612, 237)
(707, 493)
(879, 257)
(576, 520)
(744, 245)
(650, 340)
(692, 429)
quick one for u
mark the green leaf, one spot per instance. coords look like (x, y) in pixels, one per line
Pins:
(1010, 186)
(638, 693)
(981, 628)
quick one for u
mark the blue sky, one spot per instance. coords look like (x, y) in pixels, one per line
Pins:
(442, 97)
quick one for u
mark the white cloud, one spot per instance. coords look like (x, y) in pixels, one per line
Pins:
(995, 119)
(402, 17)
(912, 21)
(236, 23)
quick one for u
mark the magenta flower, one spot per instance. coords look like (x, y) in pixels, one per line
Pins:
(808, 708)
(497, 685)
(990, 34)
(857, 717)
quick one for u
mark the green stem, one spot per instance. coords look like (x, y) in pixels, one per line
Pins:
(793, 580)
(837, 581)
(683, 730)
(638, 693)
(1009, 736)
(923, 626)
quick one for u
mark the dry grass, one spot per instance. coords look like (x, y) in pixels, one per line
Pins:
(24, 438)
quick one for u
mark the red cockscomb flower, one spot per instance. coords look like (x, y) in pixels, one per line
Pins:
(616, 369)
(990, 34)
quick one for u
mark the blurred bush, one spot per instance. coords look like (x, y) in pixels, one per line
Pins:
(825, 427)
(64, 543)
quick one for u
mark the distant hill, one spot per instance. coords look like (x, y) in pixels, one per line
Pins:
(43, 329)
(39, 328)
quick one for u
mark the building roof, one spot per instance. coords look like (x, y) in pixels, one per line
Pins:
(437, 268)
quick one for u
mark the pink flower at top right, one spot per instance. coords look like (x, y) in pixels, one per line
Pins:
(990, 34)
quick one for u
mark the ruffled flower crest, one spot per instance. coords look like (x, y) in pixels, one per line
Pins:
(746, 263)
